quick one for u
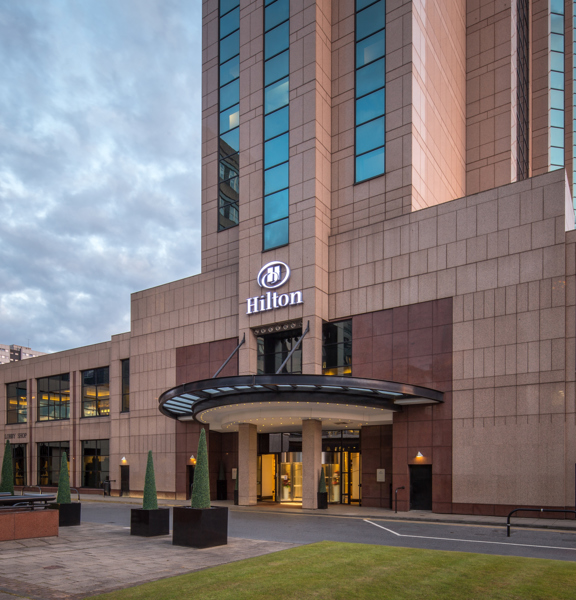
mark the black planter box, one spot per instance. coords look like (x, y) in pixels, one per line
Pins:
(148, 523)
(221, 489)
(322, 499)
(69, 514)
(200, 527)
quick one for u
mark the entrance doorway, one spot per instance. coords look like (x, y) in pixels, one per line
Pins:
(420, 487)
(343, 477)
(124, 480)
(267, 478)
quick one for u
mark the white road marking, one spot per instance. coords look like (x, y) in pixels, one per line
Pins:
(425, 537)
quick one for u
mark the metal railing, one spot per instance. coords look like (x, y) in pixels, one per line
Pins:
(31, 486)
(540, 510)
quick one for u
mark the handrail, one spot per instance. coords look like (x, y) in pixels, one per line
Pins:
(31, 486)
(396, 498)
(75, 490)
(533, 510)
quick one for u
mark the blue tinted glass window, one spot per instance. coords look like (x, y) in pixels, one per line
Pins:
(370, 20)
(370, 165)
(277, 68)
(230, 70)
(276, 123)
(276, 179)
(557, 42)
(276, 13)
(277, 40)
(276, 206)
(230, 94)
(370, 78)
(370, 136)
(276, 96)
(557, 137)
(229, 118)
(557, 156)
(369, 107)
(276, 234)
(276, 151)
(360, 4)
(230, 142)
(557, 118)
(557, 80)
(229, 46)
(227, 5)
(557, 99)
(557, 61)
(370, 49)
(557, 6)
(229, 23)
(557, 24)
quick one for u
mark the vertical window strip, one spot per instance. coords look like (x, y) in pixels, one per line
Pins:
(370, 88)
(523, 78)
(276, 123)
(556, 145)
(229, 113)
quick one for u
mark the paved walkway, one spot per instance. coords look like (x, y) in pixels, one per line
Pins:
(93, 558)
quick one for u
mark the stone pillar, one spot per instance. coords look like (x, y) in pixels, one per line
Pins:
(311, 461)
(247, 463)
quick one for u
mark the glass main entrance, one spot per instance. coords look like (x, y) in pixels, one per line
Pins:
(279, 477)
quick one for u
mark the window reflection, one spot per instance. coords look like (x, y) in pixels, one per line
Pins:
(54, 397)
(96, 392)
(16, 403)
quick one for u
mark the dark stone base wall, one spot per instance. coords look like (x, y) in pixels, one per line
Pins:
(376, 447)
(409, 344)
(201, 361)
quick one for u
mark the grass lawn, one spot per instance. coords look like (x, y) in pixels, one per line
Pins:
(331, 570)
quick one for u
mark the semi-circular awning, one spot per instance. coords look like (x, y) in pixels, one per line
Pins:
(280, 402)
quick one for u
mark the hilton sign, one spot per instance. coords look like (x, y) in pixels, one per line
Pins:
(271, 276)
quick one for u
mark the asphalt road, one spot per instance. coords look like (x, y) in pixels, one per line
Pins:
(304, 529)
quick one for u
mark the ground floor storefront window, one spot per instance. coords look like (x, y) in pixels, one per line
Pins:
(49, 459)
(19, 463)
(95, 462)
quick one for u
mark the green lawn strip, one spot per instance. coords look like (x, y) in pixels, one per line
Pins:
(331, 570)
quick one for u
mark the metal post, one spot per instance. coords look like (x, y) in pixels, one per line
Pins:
(396, 498)
(230, 357)
(293, 349)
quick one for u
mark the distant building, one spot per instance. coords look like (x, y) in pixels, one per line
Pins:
(12, 353)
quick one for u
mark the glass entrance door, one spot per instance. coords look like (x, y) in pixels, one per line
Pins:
(290, 482)
(267, 478)
(351, 478)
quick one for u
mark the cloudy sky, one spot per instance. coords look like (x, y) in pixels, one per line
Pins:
(99, 162)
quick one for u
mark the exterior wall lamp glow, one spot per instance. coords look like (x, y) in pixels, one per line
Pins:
(123, 461)
(419, 455)
(192, 459)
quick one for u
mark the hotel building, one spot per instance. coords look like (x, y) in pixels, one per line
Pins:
(388, 272)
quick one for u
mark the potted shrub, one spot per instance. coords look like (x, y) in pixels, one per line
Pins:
(200, 525)
(150, 520)
(221, 484)
(322, 493)
(7, 476)
(69, 512)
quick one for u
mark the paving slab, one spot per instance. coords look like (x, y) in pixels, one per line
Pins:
(95, 558)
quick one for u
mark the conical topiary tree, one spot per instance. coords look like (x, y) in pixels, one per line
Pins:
(7, 476)
(150, 501)
(201, 490)
(63, 496)
(322, 484)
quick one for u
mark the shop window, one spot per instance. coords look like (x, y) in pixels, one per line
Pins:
(273, 349)
(16, 403)
(95, 462)
(49, 459)
(19, 464)
(126, 385)
(370, 88)
(54, 397)
(337, 348)
(96, 392)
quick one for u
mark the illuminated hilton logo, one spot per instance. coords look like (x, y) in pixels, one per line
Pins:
(271, 276)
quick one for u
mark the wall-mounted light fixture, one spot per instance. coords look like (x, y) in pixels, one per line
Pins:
(192, 459)
(419, 455)
(124, 461)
